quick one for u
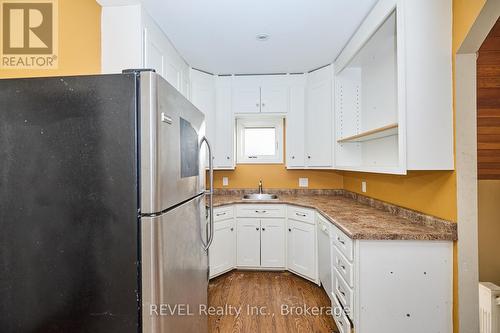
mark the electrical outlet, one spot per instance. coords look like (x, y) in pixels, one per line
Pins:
(225, 181)
(363, 186)
(303, 182)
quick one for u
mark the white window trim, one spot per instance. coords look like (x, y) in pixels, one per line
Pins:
(242, 123)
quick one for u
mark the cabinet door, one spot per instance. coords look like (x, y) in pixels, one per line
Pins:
(272, 243)
(274, 92)
(246, 94)
(295, 122)
(248, 242)
(224, 135)
(319, 117)
(301, 238)
(203, 97)
(222, 252)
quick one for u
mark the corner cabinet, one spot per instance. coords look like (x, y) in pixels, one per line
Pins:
(301, 243)
(393, 90)
(309, 123)
(202, 91)
(319, 119)
(224, 146)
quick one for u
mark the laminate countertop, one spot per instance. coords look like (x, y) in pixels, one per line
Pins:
(359, 217)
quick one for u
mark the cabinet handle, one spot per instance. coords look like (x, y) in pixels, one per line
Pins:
(263, 104)
(341, 241)
(257, 104)
(308, 156)
(263, 229)
(257, 229)
(340, 291)
(228, 157)
(300, 214)
(289, 229)
(293, 157)
(341, 323)
(232, 229)
(220, 214)
(261, 211)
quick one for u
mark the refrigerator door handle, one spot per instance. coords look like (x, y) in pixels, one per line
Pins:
(210, 192)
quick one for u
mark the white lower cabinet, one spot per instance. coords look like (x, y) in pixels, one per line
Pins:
(301, 249)
(254, 236)
(248, 242)
(222, 253)
(261, 243)
(391, 285)
(272, 243)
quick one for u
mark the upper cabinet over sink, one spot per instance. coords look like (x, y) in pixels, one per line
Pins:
(260, 94)
(393, 90)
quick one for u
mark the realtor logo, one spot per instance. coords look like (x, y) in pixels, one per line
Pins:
(29, 34)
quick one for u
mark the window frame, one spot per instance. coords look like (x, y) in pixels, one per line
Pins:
(261, 122)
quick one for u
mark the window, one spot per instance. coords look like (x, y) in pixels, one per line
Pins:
(260, 140)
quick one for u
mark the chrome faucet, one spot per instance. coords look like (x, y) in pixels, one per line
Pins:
(260, 186)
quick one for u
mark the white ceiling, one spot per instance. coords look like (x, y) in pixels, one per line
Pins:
(219, 36)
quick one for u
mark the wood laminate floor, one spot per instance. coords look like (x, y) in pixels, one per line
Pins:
(265, 301)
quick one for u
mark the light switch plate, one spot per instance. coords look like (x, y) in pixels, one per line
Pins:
(225, 181)
(363, 186)
(303, 182)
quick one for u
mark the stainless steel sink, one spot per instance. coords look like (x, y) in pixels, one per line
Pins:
(260, 196)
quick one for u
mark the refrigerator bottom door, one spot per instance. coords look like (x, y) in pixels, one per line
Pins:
(175, 269)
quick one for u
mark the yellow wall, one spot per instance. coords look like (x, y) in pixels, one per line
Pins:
(427, 191)
(277, 176)
(79, 41)
(489, 230)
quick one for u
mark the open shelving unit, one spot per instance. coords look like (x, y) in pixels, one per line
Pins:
(369, 127)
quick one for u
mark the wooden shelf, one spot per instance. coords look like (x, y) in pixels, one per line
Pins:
(377, 133)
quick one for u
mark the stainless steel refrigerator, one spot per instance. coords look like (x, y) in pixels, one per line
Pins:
(104, 224)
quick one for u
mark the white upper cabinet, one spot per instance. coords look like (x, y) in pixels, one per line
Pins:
(260, 93)
(393, 86)
(203, 97)
(130, 38)
(274, 90)
(295, 138)
(319, 119)
(246, 94)
(224, 119)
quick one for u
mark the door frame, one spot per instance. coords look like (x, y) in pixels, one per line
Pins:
(466, 167)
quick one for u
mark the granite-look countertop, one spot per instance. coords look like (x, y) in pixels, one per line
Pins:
(360, 217)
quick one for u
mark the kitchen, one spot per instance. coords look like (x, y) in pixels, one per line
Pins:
(233, 167)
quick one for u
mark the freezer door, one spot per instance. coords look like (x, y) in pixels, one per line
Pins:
(172, 164)
(175, 269)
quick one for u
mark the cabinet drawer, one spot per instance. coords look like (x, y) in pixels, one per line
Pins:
(260, 211)
(343, 266)
(341, 320)
(343, 243)
(223, 213)
(301, 214)
(343, 292)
